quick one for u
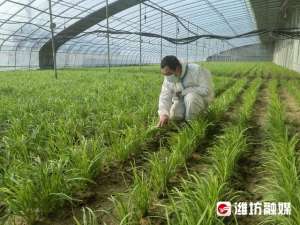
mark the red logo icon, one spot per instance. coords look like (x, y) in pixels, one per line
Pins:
(223, 208)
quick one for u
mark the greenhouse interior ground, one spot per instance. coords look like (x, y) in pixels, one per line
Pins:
(81, 137)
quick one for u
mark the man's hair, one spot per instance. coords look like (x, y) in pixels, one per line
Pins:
(171, 61)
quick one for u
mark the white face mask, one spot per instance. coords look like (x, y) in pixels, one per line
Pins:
(171, 78)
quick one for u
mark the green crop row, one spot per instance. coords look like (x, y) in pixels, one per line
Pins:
(229, 69)
(163, 165)
(56, 136)
(59, 134)
(281, 164)
(195, 201)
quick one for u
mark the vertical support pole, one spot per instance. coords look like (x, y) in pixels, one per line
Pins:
(16, 59)
(161, 34)
(197, 43)
(187, 46)
(176, 36)
(208, 49)
(108, 41)
(217, 50)
(136, 59)
(223, 48)
(29, 66)
(52, 39)
(214, 50)
(122, 60)
(203, 51)
(140, 36)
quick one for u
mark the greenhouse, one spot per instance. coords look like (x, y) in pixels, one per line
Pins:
(149, 112)
(84, 37)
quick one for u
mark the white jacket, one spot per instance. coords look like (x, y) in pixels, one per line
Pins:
(196, 79)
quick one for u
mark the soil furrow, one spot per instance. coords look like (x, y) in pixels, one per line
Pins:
(247, 175)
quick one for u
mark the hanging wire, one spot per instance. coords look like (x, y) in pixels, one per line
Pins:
(279, 33)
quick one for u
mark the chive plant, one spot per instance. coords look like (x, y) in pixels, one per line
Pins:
(56, 141)
(57, 135)
(281, 182)
(68, 132)
(88, 218)
(196, 199)
(229, 69)
(292, 88)
(163, 165)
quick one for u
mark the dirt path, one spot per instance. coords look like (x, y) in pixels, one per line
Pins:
(247, 175)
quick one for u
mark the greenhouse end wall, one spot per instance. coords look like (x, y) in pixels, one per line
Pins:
(287, 52)
(255, 52)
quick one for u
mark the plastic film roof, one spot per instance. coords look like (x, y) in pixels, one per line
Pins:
(24, 25)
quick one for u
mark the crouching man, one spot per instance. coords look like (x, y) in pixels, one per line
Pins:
(186, 91)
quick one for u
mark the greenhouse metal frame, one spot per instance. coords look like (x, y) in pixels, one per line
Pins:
(26, 31)
(81, 30)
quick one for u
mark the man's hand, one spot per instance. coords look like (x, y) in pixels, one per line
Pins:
(163, 120)
(178, 94)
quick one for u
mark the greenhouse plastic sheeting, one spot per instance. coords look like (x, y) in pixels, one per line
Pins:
(25, 28)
